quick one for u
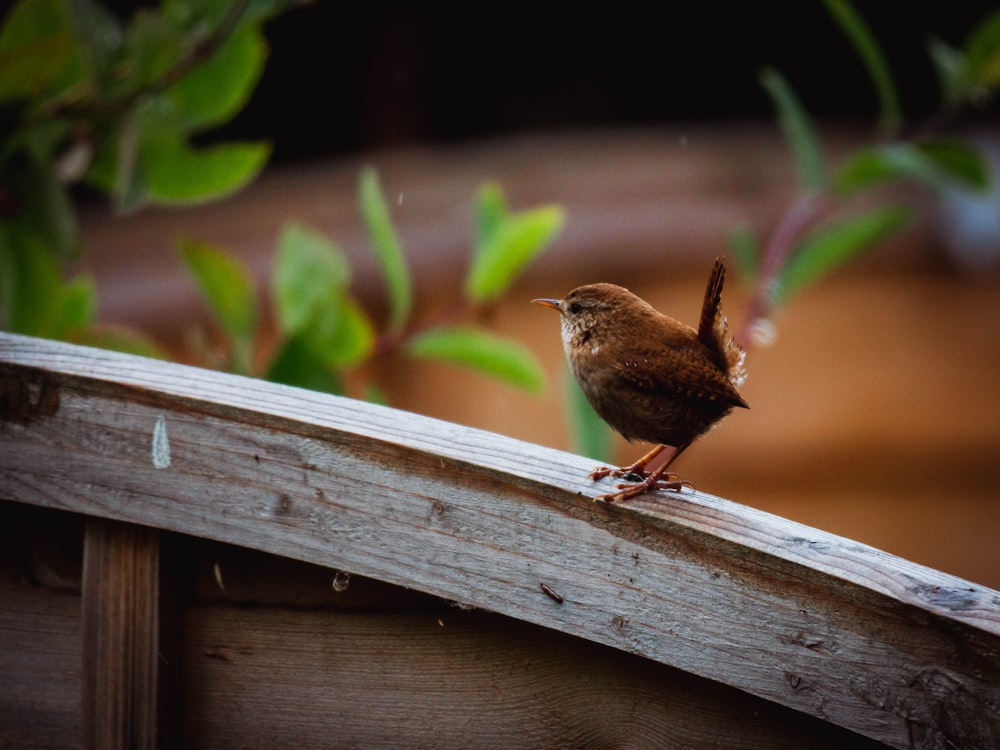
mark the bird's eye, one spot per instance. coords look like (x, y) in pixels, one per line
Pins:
(575, 308)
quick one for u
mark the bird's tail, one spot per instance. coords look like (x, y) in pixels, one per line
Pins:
(713, 328)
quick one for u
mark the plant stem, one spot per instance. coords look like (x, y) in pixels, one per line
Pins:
(800, 215)
(389, 341)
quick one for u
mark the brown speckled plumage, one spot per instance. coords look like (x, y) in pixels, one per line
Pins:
(647, 375)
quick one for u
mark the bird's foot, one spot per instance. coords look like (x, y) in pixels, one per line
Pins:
(669, 483)
(673, 483)
(633, 473)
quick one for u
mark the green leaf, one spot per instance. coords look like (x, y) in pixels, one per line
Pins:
(866, 167)
(589, 435)
(957, 160)
(44, 142)
(39, 57)
(211, 93)
(152, 47)
(310, 292)
(506, 245)
(339, 333)
(100, 39)
(44, 207)
(195, 16)
(949, 64)
(227, 284)
(308, 269)
(938, 163)
(836, 243)
(295, 364)
(383, 237)
(982, 54)
(231, 294)
(115, 168)
(857, 31)
(503, 359)
(33, 297)
(76, 306)
(490, 210)
(177, 174)
(205, 16)
(798, 130)
(30, 282)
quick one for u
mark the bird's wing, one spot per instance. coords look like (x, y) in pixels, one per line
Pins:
(678, 375)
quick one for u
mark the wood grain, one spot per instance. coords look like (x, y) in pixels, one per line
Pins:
(883, 647)
(39, 668)
(450, 679)
(120, 636)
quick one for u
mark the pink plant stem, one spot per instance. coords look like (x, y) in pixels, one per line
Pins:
(790, 229)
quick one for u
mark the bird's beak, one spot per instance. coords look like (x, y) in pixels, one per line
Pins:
(553, 303)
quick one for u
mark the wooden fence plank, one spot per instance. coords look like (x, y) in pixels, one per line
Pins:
(881, 646)
(455, 679)
(120, 635)
(39, 668)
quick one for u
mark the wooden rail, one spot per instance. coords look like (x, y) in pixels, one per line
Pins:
(886, 648)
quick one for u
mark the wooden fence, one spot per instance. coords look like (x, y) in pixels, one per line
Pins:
(672, 620)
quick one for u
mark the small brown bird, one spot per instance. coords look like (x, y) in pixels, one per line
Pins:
(647, 375)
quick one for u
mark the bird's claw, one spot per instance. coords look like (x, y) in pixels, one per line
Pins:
(672, 485)
(600, 472)
(669, 483)
(630, 473)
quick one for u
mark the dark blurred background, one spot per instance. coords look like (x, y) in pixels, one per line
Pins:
(345, 77)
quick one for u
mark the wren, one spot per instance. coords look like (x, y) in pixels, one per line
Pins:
(649, 376)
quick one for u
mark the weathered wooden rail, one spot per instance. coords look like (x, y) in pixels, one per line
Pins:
(882, 647)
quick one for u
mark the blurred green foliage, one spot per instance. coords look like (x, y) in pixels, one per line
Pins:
(823, 229)
(324, 331)
(87, 98)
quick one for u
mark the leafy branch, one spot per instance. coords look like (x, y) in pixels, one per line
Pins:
(819, 232)
(325, 332)
(87, 98)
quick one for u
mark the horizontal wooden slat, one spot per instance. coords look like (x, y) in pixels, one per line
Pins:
(39, 667)
(875, 644)
(454, 679)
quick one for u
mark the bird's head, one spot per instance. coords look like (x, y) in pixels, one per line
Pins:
(588, 310)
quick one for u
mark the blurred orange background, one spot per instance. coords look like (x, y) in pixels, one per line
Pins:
(874, 414)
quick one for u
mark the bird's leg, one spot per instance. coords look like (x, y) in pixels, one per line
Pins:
(636, 470)
(652, 481)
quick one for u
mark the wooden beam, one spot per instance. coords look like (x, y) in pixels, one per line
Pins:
(40, 667)
(120, 635)
(878, 645)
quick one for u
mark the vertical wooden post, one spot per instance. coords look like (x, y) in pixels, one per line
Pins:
(120, 635)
